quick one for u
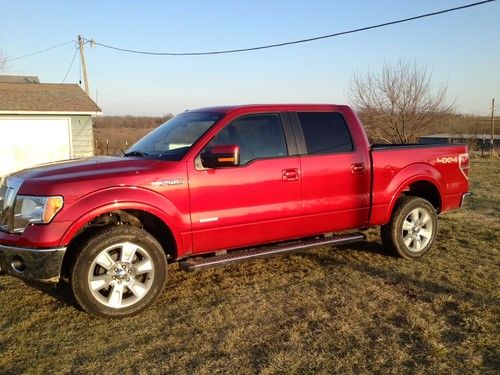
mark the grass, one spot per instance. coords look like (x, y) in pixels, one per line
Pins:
(348, 310)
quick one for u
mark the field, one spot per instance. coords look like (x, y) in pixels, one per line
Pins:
(114, 134)
(353, 309)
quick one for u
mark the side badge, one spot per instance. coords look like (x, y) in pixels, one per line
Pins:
(175, 181)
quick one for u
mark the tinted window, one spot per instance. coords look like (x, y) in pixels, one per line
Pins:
(325, 132)
(258, 136)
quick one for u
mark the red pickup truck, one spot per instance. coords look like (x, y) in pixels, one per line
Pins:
(219, 185)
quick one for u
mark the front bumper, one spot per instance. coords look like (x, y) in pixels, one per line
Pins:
(37, 265)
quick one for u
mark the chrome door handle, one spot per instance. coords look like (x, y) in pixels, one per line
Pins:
(290, 174)
(358, 168)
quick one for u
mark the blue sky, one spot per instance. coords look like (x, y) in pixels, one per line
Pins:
(462, 49)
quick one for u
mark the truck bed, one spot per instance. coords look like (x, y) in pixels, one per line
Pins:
(396, 168)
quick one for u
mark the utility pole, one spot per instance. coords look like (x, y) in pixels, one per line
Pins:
(492, 125)
(84, 65)
(449, 130)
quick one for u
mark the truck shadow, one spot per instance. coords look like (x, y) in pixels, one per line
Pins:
(63, 296)
(61, 292)
(413, 287)
(366, 247)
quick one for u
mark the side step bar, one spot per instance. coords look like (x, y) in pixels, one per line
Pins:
(197, 264)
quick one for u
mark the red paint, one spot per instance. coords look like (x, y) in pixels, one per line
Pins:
(266, 200)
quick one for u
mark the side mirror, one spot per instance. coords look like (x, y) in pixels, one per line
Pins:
(221, 156)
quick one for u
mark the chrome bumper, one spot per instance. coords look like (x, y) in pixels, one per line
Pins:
(38, 265)
(466, 199)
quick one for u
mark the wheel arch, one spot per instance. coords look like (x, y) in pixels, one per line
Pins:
(422, 186)
(427, 190)
(148, 218)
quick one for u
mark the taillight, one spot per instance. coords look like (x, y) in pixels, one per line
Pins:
(463, 163)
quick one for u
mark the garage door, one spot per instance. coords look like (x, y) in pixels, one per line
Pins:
(30, 141)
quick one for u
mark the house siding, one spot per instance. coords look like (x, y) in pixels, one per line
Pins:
(82, 137)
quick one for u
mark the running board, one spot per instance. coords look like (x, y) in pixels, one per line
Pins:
(197, 264)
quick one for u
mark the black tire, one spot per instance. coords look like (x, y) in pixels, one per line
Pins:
(406, 234)
(129, 263)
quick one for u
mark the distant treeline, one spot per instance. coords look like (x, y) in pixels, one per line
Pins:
(454, 124)
(115, 134)
(137, 122)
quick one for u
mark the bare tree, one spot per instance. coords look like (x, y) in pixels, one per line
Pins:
(3, 61)
(398, 103)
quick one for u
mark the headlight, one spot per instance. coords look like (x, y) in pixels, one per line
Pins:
(34, 210)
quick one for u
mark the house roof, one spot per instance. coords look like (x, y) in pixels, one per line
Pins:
(4, 78)
(45, 97)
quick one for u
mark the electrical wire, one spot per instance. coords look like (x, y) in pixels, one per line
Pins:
(40, 51)
(70, 64)
(294, 41)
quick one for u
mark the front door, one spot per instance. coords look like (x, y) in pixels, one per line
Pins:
(256, 202)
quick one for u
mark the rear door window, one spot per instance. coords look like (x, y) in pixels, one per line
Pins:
(325, 133)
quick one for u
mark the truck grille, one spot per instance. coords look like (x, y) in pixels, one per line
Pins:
(9, 187)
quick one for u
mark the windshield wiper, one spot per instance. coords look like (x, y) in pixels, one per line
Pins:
(135, 153)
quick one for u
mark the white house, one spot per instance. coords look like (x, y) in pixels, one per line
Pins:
(43, 122)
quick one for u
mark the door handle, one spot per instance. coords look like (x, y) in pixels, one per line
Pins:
(290, 174)
(357, 168)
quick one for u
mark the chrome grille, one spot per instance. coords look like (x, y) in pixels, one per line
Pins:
(8, 191)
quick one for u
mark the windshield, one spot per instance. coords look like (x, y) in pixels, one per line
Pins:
(173, 139)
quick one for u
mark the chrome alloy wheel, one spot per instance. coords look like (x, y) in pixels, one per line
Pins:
(417, 230)
(121, 275)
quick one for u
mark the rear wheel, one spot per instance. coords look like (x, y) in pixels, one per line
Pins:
(412, 230)
(119, 272)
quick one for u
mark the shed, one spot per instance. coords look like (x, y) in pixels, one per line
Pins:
(43, 122)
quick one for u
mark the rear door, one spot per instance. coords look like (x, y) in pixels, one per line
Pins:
(335, 173)
(256, 202)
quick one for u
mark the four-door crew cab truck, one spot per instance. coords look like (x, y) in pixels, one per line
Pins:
(218, 185)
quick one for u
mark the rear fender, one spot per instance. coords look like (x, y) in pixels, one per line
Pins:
(405, 177)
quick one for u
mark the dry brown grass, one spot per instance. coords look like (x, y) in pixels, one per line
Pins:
(347, 310)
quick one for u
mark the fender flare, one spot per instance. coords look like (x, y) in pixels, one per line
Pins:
(133, 199)
(430, 175)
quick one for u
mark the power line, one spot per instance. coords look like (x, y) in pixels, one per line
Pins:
(70, 64)
(294, 41)
(40, 51)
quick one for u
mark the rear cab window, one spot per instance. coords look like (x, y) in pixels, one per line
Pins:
(325, 133)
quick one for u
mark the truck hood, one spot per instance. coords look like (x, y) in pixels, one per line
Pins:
(88, 168)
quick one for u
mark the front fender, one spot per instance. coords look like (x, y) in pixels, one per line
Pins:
(99, 202)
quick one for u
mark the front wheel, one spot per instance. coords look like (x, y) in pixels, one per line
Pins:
(412, 230)
(119, 272)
